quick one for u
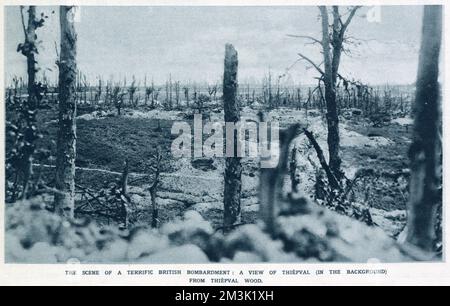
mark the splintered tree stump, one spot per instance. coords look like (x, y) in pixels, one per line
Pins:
(233, 167)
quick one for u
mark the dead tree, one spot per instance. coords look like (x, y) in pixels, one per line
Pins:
(299, 98)
(29, 50)
(233, 167)
(155, 96)
(177, 94)
(200, 102)
(124, 179)
(85, 89)
(424, 149)
(148, 94)
(186, 95)
(153, 189)
(247, 94)
(148, 91)
(271, 182)
(332, 45)
(167, 103)
(66, 138)
(278, 96)
(132, 91)
(99, 91)
(91, 94)
(170, 92)
(124, 198)
(212, 91)
(269, 93)
(107, 93)
(294, 170)
(308, 101)
(27, 132)
(195, 94)
(117, 97)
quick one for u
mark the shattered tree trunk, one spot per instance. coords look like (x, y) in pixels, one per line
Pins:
(29, 135)
(233, 168)
(125, 198)
(330, 97)
(424, 149)
(31, 61)
(271, 181)
(330, 176)
(66, 139)
(155, 211)
(153, 190)
(294, 171)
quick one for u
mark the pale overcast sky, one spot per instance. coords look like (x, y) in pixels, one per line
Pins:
(188, 42)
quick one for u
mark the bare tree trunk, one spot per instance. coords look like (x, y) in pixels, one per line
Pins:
(155, 211)
(299, 99)
(186, 95)
(66, 139)
(307, 103)
(153, 190)
(31, 61)
(332, 46)
(331, 63)
(271, 182)
(233, 168)
(177, 94)
(170, 92)
(29, 50)
(125, 200)
(167, 95)
(294, 170)
(424, 149)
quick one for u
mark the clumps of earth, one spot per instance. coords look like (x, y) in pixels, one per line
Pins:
(35, 235)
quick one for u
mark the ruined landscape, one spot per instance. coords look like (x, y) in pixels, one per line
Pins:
(101, 184)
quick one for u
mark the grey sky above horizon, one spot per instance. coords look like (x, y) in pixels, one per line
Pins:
(187, 42)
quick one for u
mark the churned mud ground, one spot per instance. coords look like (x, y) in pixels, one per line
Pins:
(106, 140)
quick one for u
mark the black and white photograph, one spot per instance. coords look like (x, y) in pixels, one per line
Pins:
(223, 134)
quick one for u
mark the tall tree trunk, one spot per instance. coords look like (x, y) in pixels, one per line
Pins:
(66, 139)
(424, 149)
(233, 168)
(329, 80)
(29, 50)
(31, 61)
